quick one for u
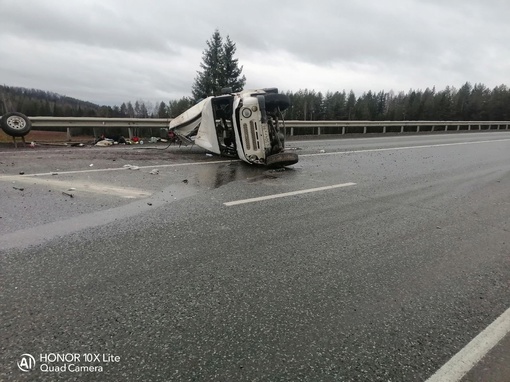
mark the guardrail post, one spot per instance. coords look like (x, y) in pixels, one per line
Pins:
(318, 130)
(343, 130)
(417, 128)
(130, 132)
(401, 129)
(384, 129)
(68, 133)
(291, 131)
(364, 129)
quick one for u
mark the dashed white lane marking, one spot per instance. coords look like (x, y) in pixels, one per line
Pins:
(404, 148)
(274, 196)
(473, 352)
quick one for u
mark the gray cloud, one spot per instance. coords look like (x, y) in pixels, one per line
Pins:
(112, 51)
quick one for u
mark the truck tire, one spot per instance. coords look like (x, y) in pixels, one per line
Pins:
(274, 101)
(281, 159)
(16, 124)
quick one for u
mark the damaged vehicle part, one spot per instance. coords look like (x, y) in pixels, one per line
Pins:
(15, 124)
(248, 125)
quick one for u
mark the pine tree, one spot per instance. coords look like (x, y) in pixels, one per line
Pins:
(162, 110)
(231, 69)
(130, 110)
(351, 105)
(123, 110)
(219, 68)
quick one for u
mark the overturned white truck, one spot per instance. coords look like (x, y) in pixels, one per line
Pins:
(248, 125)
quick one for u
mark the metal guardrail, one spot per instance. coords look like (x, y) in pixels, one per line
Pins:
(292, 127)
(99, 124)
(364, 127)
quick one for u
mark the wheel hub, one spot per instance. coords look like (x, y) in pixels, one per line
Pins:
(16, 122)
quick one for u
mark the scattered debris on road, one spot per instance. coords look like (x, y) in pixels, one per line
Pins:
(131, 167)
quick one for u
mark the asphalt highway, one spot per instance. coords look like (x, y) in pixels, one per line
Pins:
(372, 259)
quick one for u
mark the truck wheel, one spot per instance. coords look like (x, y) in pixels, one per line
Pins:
(16, 124)
(274, 101)
(281, 159)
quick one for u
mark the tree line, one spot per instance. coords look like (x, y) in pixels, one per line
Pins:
(469, 102)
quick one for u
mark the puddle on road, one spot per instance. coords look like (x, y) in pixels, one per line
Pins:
(217, 176)
(202, 177)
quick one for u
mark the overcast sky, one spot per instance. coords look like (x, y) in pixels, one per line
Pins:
(114, 51)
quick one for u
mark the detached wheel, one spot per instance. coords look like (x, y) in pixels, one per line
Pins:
(16, 124)
(274, 101)
(281, 160)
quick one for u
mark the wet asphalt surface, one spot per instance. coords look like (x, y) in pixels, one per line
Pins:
(385, 280)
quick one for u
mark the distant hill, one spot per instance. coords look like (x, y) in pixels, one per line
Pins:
(35, 102)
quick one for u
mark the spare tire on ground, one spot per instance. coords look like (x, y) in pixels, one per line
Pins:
(282, 159)
(16, 124)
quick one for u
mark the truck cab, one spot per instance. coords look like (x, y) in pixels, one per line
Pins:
(248, 125)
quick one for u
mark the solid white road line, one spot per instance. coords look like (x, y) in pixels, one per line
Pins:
(473, 352)
(85, 186)
(404, 148)
(8, 177)
(274, 196)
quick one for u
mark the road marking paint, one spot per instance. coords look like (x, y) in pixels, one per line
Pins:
(86, 186)
(404, 148)
(471, 133)
(274, 196)
(458, 366)
(13, 177)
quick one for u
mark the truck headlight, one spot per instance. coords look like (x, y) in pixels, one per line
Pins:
(246, 113)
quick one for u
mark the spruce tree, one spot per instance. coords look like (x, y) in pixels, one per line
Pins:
(231, 69)
(219, 68)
